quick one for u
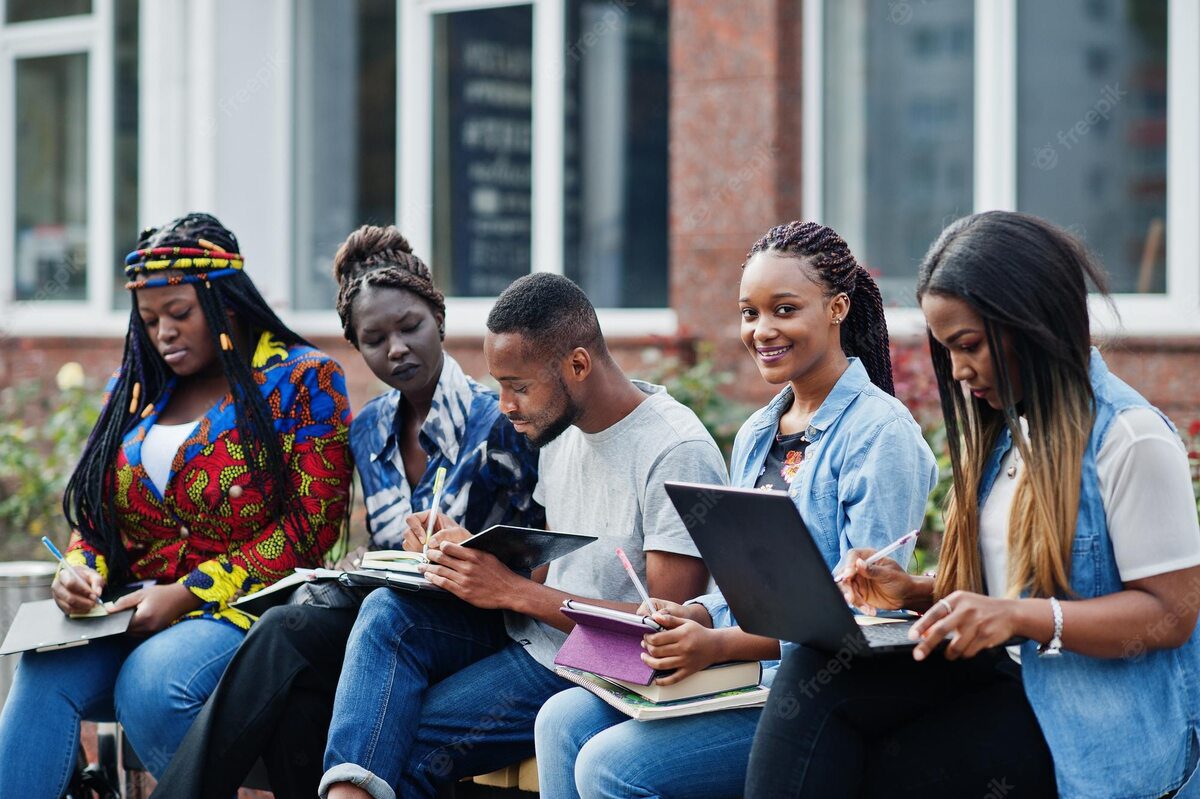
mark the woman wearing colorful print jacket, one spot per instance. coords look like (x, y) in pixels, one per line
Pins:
(219, 463)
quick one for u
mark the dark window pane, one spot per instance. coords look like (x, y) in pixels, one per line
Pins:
(125, 142)
(615, 170)
(898, 128)
(482, 127)
(345, 146)
(28, 10)
(51, 186)
(1092, 142)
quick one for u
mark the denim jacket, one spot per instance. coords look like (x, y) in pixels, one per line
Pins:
(864, 480)
(1116, 727)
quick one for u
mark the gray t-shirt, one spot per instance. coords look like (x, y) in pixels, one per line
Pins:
(610, 484)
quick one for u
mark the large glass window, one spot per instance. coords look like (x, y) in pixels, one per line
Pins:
(51, 177)
(1092, 129)
(482, 135)
(615, 151)
(29, 10)
(898, 130)
(345, 146)
(125, 141)
(468, 196)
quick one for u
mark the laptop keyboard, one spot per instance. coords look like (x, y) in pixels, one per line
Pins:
(889, 634)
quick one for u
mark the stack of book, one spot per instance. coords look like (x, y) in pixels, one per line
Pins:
(721, 687)
(603, 654)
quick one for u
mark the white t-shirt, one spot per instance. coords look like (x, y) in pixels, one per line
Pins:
(1146, 488)
(159, 447)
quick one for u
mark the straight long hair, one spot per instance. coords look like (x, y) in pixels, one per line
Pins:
(1028, 280)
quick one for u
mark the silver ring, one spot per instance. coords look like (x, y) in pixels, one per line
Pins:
(946, 605)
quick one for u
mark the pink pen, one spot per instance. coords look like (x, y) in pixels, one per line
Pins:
(641, 589)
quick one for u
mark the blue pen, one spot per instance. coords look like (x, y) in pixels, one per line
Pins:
(67, 566)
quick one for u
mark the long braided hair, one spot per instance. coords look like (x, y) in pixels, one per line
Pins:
(864, 331)
(89, 502)
(381, 257)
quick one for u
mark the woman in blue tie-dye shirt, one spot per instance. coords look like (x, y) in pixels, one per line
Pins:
(275, 698)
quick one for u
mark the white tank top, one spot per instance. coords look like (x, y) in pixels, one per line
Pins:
(159, 448)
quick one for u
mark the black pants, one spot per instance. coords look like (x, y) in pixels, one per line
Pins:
(274, 701)
(892, 727)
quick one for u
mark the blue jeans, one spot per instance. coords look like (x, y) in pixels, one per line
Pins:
(587, 749)
(154, 686)
(431, 690)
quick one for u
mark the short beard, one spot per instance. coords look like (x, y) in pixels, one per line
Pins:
(556, 428)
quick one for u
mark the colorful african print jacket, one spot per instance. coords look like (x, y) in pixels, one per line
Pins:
(491, 469)
(212, 528)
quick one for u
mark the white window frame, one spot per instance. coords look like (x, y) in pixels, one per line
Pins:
(414, 178)
(90, 34)
(1176, 313)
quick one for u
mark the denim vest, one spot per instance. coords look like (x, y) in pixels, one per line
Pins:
(1116, 727)
(864, 480)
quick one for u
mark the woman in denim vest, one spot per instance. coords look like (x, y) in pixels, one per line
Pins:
(1072, 528)
(853, 461)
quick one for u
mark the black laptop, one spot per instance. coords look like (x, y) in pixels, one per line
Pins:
(772, 575)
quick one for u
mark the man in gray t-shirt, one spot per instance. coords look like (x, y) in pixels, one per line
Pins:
(433, 689)
(610, 484)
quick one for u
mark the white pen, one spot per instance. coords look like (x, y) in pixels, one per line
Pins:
(883, 553)
(439, 477)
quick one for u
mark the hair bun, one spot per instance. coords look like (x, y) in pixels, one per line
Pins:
(366, 249)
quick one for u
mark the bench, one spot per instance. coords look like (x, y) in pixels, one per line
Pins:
(521, 777)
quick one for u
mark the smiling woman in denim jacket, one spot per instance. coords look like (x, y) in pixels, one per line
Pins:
(853, 461)
(1071, 525)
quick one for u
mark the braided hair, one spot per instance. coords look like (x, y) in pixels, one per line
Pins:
(864, 331)
(89, 503)
(381, 257)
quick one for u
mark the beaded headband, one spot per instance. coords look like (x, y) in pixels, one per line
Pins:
(175, 280)
(205, 257)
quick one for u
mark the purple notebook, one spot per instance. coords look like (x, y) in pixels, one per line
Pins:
(606, 642)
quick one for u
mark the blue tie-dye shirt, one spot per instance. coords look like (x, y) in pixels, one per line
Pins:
(491, 469)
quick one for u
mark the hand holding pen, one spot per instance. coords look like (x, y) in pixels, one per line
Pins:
(637, 583)
(75, 590)
(438, 479)
(872, 583)
(880, 555)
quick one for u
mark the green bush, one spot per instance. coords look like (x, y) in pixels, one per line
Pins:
(698, 386)
(41, 437)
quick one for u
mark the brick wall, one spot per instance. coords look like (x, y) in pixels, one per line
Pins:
(24, 359)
